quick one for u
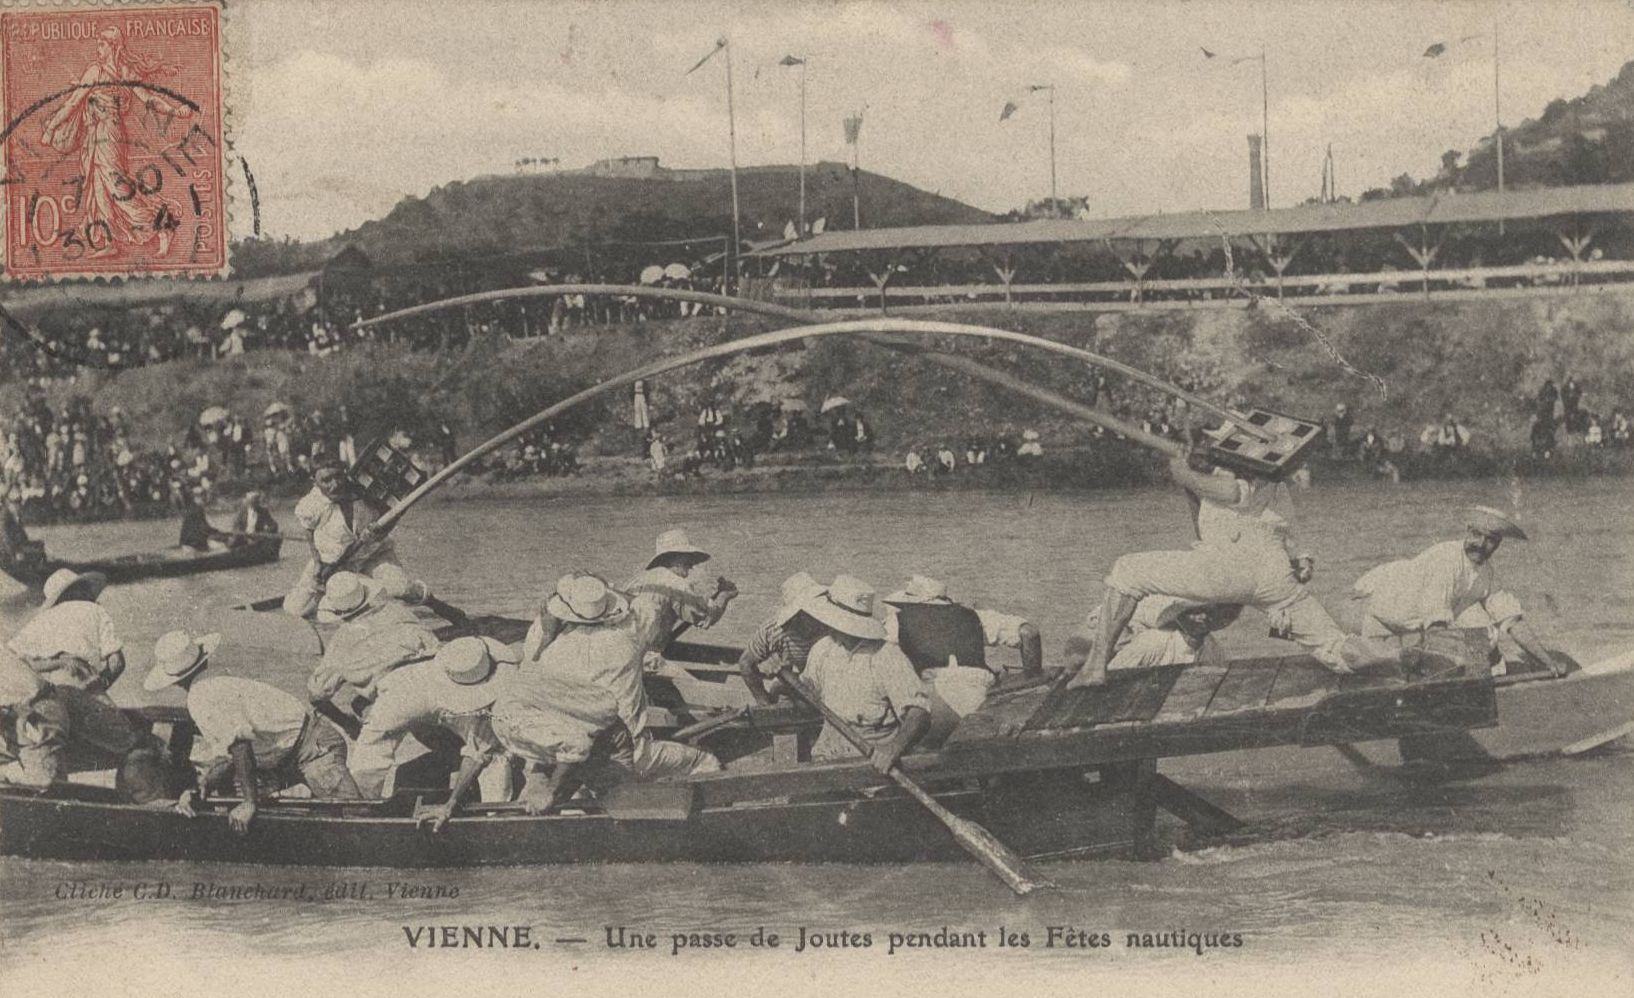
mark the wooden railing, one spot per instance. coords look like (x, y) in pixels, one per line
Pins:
(1221, 291)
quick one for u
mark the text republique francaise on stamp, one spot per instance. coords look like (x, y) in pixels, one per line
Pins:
(113, 143)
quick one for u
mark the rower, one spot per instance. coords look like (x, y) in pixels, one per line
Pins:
(1245, 555)
(583, 705)
(783, 641)
(72, 641)
(662, 597)
(443, 703)
(930, 628)
(378, 632)
(337, 517)
(1403, 600)
(46, 731)
(862, 677)
(247, 727)
(252, 518)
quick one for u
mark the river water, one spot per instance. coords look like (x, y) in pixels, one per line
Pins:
(1505, 883)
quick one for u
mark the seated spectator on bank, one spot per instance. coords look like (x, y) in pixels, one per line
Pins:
(913, 462)
(1619, 428)
(1030, 445)
(946, 461)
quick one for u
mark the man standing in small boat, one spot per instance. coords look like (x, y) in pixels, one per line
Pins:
(252, 518)
(863, 678)
(247, 726)
(1401, 600)
(1245, 554)
(72, 641)
(662, 597)
(336, 519)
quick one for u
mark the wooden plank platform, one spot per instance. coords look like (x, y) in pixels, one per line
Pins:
(1247, 686)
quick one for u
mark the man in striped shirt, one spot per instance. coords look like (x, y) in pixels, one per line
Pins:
(784, 640)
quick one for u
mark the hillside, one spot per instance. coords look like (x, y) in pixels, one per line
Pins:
(504, 215)
(1583, 140)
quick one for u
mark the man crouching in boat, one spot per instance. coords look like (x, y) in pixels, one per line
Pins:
(247, 727)
(1403, 600)
(782, 642)
(72, 641)
(47, 730)
(1183, 634)
(1245, 554)
(444, 703)
(863, 678)
(378, 632)
(336, 519)
(581, 704)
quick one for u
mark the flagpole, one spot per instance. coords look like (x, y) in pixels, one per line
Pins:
(732, 139)
(856, 175)
(1497, 107)
(1052, 149)
(1265, 132)
(802, 146)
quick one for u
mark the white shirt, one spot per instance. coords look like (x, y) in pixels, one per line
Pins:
(659, 600)
(323, 517)
(1434, 587)
(869, 688)
(1261, 516)
(227, 709)
(603, 657)
(421, 696)
(78, 629)
(1165, 646)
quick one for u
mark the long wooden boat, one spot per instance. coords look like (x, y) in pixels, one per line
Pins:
(164, 563)
(1079, 775)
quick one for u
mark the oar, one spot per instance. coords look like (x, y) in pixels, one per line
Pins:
(708, 724)
(972, 838)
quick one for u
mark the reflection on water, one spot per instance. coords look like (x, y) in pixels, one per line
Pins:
(1333, 869)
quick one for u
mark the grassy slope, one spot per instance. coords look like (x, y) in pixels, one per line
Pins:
(1480, 360)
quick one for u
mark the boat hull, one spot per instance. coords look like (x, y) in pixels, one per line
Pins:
(155, 565)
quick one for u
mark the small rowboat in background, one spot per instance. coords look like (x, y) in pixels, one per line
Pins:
(165, 563)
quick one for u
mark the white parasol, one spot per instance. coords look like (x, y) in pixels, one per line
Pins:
(214, 416)
(677, 272)
(834, 402)
(652, 274)
(235, 317)
(276, 409)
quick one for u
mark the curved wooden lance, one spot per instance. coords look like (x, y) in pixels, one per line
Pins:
(910, 327)
(810, 318)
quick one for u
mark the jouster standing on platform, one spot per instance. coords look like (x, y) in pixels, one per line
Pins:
(336, 519)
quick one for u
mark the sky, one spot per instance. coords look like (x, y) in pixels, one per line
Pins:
(343, 107)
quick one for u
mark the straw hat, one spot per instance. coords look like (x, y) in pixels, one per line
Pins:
(676, 542)
(586, 599)
(920, 589)
(1221, 615)
(347, 594)
(469, 661)
(1486, 520)
(796, 588)
(1029, 434)
(65, 579)
(176, 656)
(846, 606)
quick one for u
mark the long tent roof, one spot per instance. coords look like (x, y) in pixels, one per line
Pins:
(1389, 213)
(123, 294)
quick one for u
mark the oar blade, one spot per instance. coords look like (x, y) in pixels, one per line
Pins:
(997, 857)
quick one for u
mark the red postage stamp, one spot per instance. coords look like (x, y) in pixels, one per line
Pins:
(113, 143)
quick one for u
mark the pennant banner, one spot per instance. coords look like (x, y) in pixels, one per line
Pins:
(1010, 108)
(853, 129)
(720, 43)
(790, 60)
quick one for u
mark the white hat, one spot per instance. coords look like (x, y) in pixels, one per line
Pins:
(346, 594)
(676, 542)
(796, 588)
(1487, 520)
(1221, 615)
(176, 655)
(920, 589)
(471, 660)
(847, 606)
(1029, 434)
(586, 599)
(64, 579)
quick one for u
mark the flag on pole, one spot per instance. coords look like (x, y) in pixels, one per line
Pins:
(1435, 50)
(790, 60)
(853, 128)
(1206, 53)
(720, 43)
(1010, 107)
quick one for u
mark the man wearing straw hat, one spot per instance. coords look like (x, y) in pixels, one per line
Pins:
(583, 704)
(784, 640)
(72, 641)
(378, 633)
(662, 596)
(247, 727)
(443, 703)
(1402, 600)
(863, 678)
(1183, 634)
